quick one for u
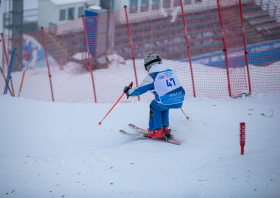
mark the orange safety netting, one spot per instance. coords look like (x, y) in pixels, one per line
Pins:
(217, 48)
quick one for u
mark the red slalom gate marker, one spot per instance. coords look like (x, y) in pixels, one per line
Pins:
(114, 105)
(242, 137)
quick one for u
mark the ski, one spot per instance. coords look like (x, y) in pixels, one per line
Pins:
(172, 141)
(132, 126)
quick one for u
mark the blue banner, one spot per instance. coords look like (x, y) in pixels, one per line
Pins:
(260, 54)
(91, 21)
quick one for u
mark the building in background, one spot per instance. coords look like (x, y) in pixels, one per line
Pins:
(19, 16)
(57, 12)
(116, 5)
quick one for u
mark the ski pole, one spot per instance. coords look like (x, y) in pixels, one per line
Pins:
(114, 105)
(6, 81)
(26, 56)
(185, 114)
(14, 50)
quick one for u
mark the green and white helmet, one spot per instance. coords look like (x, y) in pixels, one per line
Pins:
(151, 60)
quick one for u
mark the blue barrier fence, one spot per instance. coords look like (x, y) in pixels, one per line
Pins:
(260, 54)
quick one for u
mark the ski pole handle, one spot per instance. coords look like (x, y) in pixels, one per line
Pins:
(113, 106)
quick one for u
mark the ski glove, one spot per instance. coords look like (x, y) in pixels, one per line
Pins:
(126, 89)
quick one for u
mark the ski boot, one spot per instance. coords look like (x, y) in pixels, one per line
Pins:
(167, 132)
(158, 134)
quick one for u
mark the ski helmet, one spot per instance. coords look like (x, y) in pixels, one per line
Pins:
(151, 60)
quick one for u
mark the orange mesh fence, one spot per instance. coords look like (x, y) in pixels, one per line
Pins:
(148, 36)
(262, 25)
(204, 35)
(4, 64)
(234, 50)
(91, 59)
(111, 72)
(36, 81)
(70, 76)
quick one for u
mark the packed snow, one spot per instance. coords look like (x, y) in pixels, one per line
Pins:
(53, 149)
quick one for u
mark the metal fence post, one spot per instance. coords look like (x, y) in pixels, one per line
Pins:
(188, 46)
(131, 46)
(225, 50)
(46, 53)
(245, 46)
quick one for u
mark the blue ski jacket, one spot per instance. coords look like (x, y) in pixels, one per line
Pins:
(164, 84)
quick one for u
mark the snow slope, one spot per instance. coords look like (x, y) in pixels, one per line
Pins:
(56, 150)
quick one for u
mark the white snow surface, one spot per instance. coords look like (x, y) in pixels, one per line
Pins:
(56, 150)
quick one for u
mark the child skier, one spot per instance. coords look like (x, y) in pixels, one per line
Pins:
(169, 94)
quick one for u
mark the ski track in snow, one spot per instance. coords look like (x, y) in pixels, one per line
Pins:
(56, 150)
